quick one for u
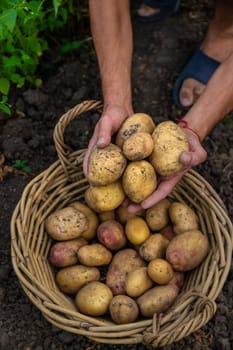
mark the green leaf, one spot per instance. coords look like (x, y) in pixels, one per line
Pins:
(55, 6)
(5, 108)
(4, 86)
(71, 46)
(9, 18)
(17, 79)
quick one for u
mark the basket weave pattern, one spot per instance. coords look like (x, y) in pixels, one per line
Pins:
(62, 183)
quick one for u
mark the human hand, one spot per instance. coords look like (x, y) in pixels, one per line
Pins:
(194, 156)
(109, 122)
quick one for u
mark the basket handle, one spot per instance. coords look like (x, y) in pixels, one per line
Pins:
(63, 150)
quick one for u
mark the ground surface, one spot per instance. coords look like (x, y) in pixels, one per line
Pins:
(160, 52)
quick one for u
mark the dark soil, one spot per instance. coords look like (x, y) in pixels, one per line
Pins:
(160, 51)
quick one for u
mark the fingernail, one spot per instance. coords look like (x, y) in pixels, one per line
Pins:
(185, 158)
(100, 141)
(185, 102)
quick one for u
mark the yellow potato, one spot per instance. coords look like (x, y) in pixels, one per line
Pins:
(169, 142)
(187, 250)
(65, 253)
(93, 220)
(182, 217)
(94, 254)
(139, 180)
(67, 223)
(105, 165)
(71, 279)
(105, 198)
(137, 282)
(123, 309)
(137, 230)
(138, 122)
(160, 271)
(138, 146)
(124, 261)
(157, 216)
(154, 247)
(157, 299)
(94, 299)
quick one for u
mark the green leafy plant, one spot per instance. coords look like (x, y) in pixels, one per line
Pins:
(25, 32)
(21, 164)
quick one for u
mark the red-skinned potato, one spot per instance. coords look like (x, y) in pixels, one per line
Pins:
(65, 253)
(111, 234)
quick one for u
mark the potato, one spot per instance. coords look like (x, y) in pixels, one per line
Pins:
(93, 220)
(187, 250)
(177, 279)
(105, 198)
(123, 262)
(94, 255)
(139, 180)
(123, 309)
(169, 141)
(65, 224)
(154, 247)
(183, 218)
(122, 214)
(107, 215)
(138, 146)
(105, 165)
(71, 279)
(157, 216)
(160, 271)
(94, 299)
(138, 122)
(157, 299)
(137, 282)
(65, 253)
(112, 235)
(137, 230)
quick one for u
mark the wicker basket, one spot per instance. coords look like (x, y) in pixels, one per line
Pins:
(62, 183)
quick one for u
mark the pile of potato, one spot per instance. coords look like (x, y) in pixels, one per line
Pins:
(120, 264)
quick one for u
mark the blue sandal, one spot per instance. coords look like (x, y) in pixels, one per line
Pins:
(200, 67)
(166, 8)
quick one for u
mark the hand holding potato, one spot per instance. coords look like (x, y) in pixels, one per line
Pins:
(194, 156)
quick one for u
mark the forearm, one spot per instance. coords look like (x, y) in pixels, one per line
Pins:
(112, 35)
(215, 102)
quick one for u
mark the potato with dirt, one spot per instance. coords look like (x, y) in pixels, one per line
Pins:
(138, 146)
(170, 141)
(157, 299)
(139, 180)
(160, 271)
(122, 214)
(154, 247)
(64, 254)
(66, 223)
(71, 279)
(137, 282)
(137, 122)
(105, 198)
(124, 261)
(111, 234)
(94, 254)
(93, 220)
(183, 218)
(105, 165)
(94, 299)
(157, 216)
(107, 215)
(123, 309)
(187, 250)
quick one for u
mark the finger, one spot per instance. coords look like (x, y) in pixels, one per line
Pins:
(134, 208)
(105, 132)
(162, 191)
